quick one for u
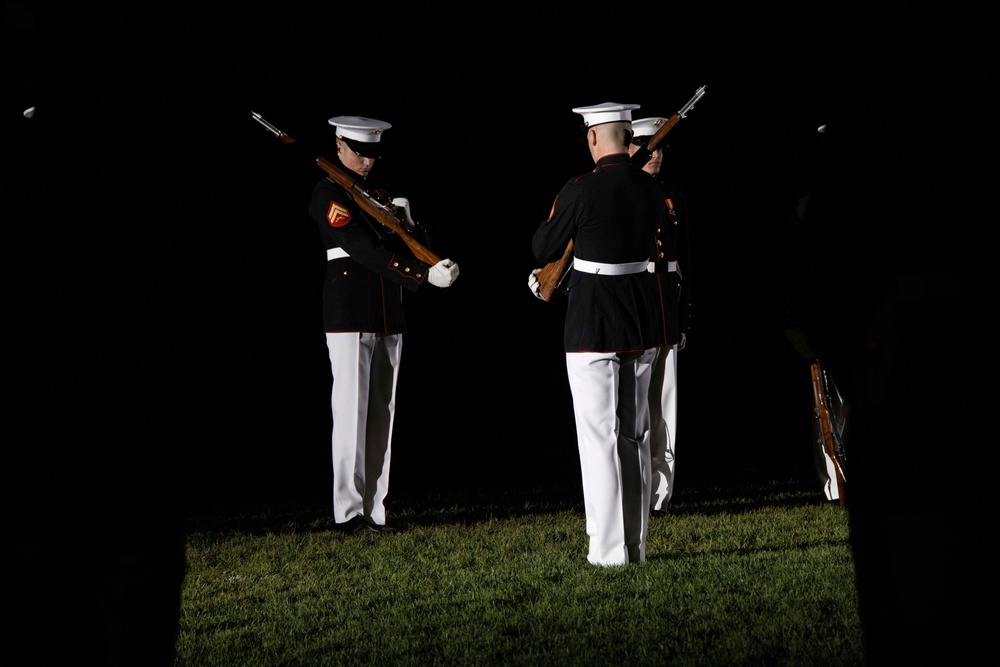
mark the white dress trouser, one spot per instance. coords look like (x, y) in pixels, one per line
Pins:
(663, 425)
(610, 402)
(365, 368)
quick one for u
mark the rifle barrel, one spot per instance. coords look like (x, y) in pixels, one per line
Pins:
(272, 129)
(690, 105)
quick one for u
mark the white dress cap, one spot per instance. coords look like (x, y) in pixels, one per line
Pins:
(647, 127)
(359, 128)
(607, 112)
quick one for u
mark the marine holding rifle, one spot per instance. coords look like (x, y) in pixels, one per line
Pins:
(612, 329)
(368, 268)
(673, 266)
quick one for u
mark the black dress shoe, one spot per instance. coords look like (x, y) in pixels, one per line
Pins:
(657, 513)
(382, 528)
(356, 525)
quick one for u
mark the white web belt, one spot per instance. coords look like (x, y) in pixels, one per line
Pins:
(672, 267)
(610, 269)
(335, 253)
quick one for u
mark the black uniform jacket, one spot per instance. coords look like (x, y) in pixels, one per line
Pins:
(612, 214)
(674, 243)
(364, 291)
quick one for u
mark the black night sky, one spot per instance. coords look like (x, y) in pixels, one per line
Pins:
(166, 276)
(164, 353)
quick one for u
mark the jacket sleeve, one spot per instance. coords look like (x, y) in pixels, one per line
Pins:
(343, 224)
(550, 238)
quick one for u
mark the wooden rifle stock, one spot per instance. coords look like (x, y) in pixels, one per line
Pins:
(384, 212)
(641, 156)
(553, 273)
(832, 416)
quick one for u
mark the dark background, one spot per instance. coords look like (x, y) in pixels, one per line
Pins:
(483, 138)
(164, 354)
(166, 278)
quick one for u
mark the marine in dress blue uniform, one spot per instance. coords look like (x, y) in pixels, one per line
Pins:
(673, 268)
(367, 272)
(612, 330)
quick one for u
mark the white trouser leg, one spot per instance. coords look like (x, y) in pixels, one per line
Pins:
(663, 425)
(381, 417)
(365, 367)
(610, 402)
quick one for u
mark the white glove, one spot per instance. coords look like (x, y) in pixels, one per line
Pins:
(443, 274)
(683, 343)
(404, 204)
(534, 285)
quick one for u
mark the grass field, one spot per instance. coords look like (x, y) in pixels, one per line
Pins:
(753, 576)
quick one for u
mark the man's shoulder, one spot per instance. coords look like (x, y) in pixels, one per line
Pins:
(326, 195)
(327, 187)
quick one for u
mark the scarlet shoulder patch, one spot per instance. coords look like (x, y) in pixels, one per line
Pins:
(337, 215)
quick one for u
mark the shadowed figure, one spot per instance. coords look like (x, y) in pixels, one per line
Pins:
(100, 188)
(899, 212)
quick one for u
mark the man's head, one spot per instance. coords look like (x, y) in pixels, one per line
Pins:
(359, 141)
(608, 127)
(644, 129)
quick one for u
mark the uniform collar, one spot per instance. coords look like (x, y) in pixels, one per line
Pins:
(613, 158)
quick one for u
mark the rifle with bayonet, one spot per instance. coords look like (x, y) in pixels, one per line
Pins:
(642, 156)
(552, 275)
(387, 213)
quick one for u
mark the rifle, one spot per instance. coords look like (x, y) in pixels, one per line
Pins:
(833, 414)
(385, 212)
(553, 274)
(641, 156)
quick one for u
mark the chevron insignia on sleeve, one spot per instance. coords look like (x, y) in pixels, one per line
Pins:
(337, 215)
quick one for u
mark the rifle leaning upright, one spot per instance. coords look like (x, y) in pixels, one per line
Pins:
(832, 414)
(385, 212)
(554, 273)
